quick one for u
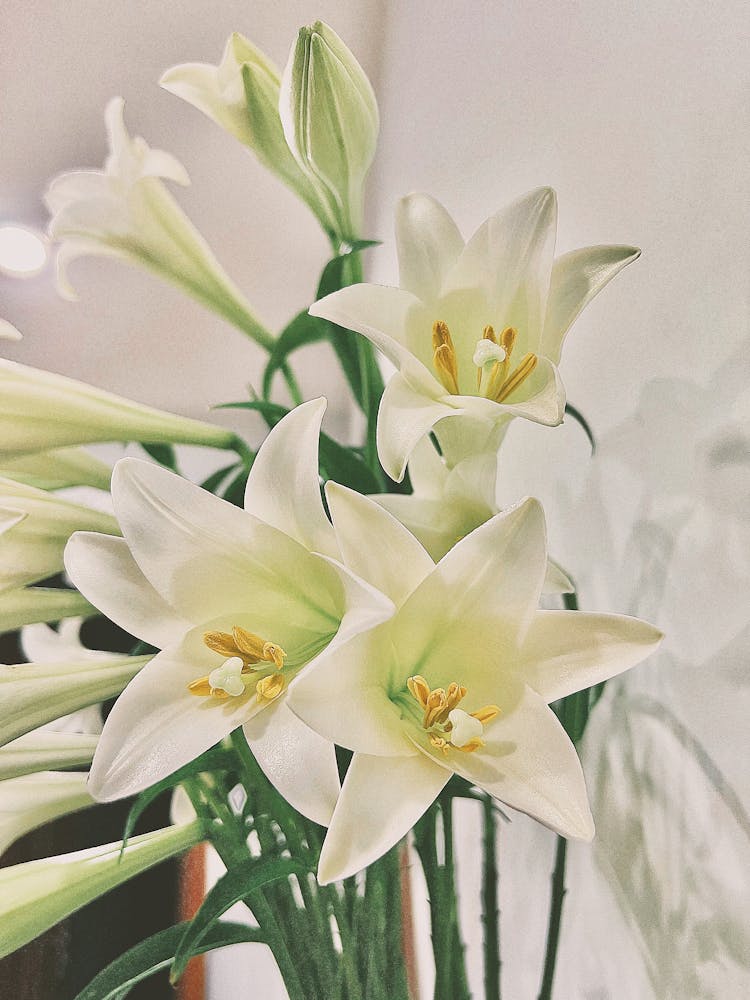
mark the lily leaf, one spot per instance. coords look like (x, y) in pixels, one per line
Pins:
(164, 454)
(576, 414)
(304, 329)
(243, 880)
(156, 953)
(214, 481)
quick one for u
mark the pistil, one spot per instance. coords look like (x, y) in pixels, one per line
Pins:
(444, 356)
(246, 654)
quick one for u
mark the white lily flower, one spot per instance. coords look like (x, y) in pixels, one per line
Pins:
(476, 329)
(46, 750)
(209, 584)
(32, 694)
(126, 211)
(36, 895)
(40, 411)
(57, 469)
(467, 632)
(8, 331)
(32, 800)
(241, 95)
(34, 529)
(26, 605)
(448, 502)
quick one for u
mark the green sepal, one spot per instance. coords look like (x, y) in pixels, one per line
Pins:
(241, 881)
(156, 953)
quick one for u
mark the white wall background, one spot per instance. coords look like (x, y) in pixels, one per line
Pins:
(637, 115)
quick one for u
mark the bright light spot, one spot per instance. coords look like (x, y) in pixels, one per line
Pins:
(23, 252)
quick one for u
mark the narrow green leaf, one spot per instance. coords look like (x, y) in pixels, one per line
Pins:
(235, 491)
(156, 953)
(304, 329)
(214, 481)
(164, 454)
(241, 881)
(579, 418)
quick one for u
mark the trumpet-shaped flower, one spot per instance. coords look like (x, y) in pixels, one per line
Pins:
(36, 895)
(241, 95)
(34, 528)
(458, 681)
(27, 605)
(57, 469)
(35, 799)
(331, 123)
(46, 750)
(33, 694)
(126, 211)
(238, 601)
(41, 410)
(476, 329)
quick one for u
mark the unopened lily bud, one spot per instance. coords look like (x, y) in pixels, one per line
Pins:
(330, 118)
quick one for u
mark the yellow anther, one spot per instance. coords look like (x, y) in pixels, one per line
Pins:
(520, 374)
(444, 356)
(221, 642)
(486, 714)
(471, 746)
(200, 687)
(251, 648)
(269, 687)
(419, 688)
(274, 654)
(434, 707)
(453, 696)
(508, 339)
(248, 644)
(439, 743)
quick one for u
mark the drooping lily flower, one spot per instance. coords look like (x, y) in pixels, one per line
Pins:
(46, 750)
(36, 895)
(476, 329)
(40, 411)
(27, 605)
(241, 95)
(34, 528)
(35, 799)
(239, 603)
(126, 211)
(58, 469)
(449, 502)
(458, 681)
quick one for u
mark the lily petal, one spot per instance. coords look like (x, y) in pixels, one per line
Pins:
(429, 244)
(405, 416)
(298, 762)
(46, 750)
(557, 580)
(380, 801)
(567, 651)
(375, 545)
(283, 488)
(576, 278)
(35, 799)
(103, 569)
(529, 763)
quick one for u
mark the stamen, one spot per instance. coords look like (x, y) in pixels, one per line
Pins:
(251, 648)
(270, 687)
(448, 727)
(419, 687)
(444, 356)
(220, 642)
(486, 714)
(274, 654)
(201, 687)
(484, 354)
(520, 374)
(474, 744)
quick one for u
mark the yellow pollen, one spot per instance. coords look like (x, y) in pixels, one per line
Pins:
(471, 746)
(250, 648)
(526, 366)
(419, 687)
(438, 703)
(486, 714)
(444, 356)
(439, 743)
(270, 687)
(200, 687)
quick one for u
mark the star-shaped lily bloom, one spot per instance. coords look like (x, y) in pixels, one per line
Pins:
(476, 329)
(458, 681)
(238, 601)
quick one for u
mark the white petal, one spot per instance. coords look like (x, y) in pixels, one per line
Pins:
(510, 256)
(298, 762)
(576, 278)
(470, 614)
(557, 580)
(8, 331)
(104, 570)
(375, 545)
(427, 470)
(343, 696)
(381, 800)
(529, 762)
(210, 559)
(430, 521)
(363, 607)
(406, 415)
(32, 800)
(566, 651)
(381, 314)
(540, 398)
(157, 725)
(428, 242)
(283, 488)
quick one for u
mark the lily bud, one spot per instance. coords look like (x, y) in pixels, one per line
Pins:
(45, 750)
(36, 799)
(58, 469)
(36, 895)
(330, 118)
(28, 605)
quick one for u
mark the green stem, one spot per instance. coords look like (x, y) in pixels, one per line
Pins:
(490, 909)
(555, 918)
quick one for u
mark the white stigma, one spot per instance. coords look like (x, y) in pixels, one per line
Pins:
(488, 353)
(465, 727)
(228, 677)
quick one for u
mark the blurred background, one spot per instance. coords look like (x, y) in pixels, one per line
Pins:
(637, 116)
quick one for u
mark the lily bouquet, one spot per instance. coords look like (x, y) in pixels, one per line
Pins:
(331, 644)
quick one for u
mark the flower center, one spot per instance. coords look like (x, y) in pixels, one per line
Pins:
(447, 725)
(492, 358)
(249, 660)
